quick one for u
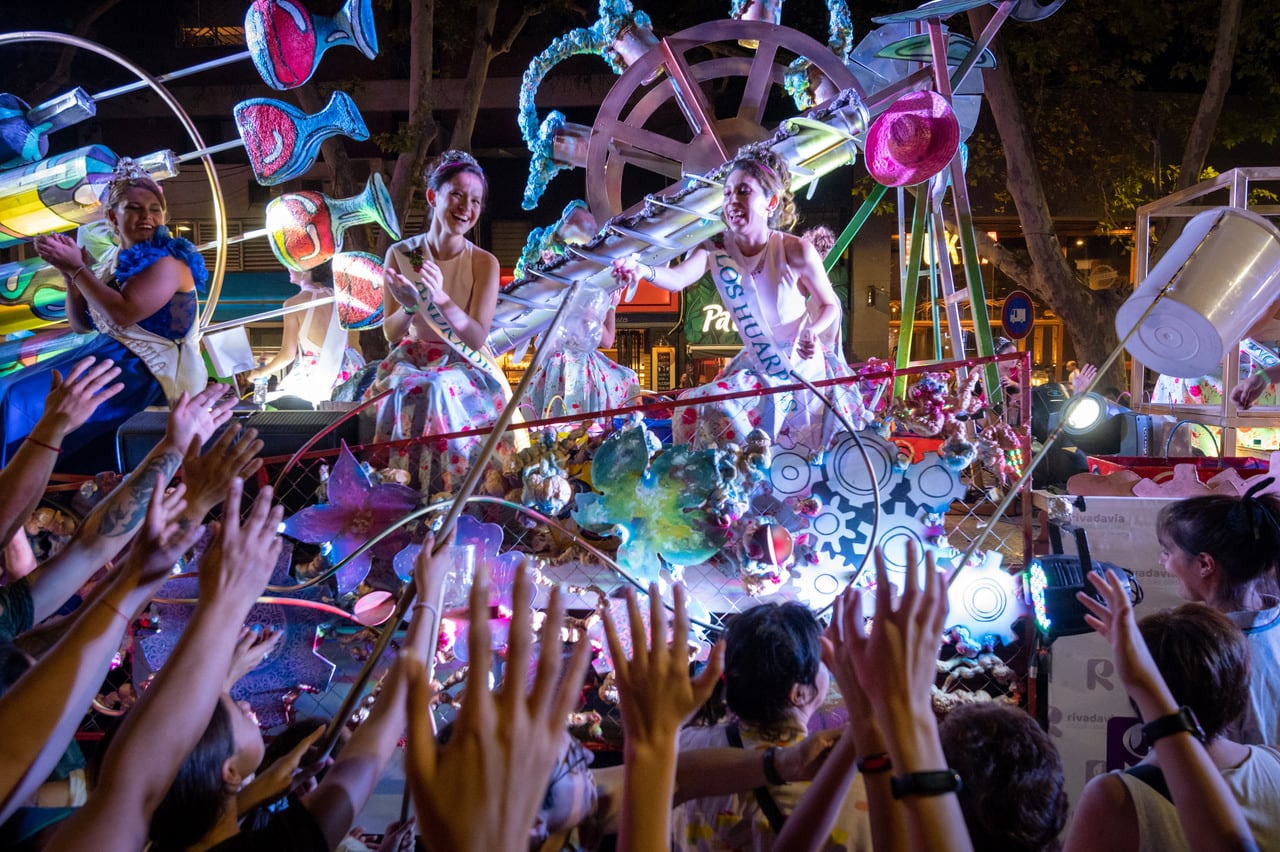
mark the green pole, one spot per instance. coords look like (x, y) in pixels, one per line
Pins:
(910, 284)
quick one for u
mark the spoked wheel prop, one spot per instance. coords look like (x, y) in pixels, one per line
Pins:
(689, 103)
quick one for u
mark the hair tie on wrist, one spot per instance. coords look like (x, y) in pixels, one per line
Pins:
(874, 763)
(435, 613)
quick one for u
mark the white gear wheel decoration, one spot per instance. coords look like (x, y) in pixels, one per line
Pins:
(984, 600)
(818, 585)
(790, 474)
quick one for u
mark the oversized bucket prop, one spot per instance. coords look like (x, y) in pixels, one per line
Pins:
(1221, 278)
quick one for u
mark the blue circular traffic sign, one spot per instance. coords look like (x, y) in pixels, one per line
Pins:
(1018, 316)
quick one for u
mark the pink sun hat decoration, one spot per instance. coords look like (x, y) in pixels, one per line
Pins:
(912, 140)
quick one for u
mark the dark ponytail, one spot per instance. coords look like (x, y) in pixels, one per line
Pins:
(1242, 534)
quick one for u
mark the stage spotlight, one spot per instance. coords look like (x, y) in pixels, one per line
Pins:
(1097, 425)
(1047, 402)
(1052, 582)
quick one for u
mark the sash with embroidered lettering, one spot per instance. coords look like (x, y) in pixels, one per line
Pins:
(440, 326)
(771, 361)
(175, 364)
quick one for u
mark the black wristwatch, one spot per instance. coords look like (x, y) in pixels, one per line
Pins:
(935, 783)
(1175, 723)
(771, 773)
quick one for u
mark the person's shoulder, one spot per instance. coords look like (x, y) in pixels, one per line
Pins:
(703, 736)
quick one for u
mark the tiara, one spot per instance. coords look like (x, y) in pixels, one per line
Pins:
(129, 169)
(454, 158)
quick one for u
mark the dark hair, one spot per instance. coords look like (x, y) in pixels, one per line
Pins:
(768, 650)
(1204, 657)
(1014, 795)
(195, 800)
(449, 164)
(1242, 534)
(322, 274)
(771, 172)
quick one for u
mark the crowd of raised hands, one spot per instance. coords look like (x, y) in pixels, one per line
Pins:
(483, 789)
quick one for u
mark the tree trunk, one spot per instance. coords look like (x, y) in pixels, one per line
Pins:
(61, 73)
(477, 73)
(1088, 316)
(334, 153)
(483, 52)
(1215, 93)
(421, 130)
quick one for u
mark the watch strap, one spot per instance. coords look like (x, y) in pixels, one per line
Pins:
(935, 782)
(1175, 723)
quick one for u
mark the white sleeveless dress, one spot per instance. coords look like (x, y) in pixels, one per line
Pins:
(792, 420)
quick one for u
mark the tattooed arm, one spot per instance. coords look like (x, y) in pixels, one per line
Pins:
(113, 523)
(41, 712)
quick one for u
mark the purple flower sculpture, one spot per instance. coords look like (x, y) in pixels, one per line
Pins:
(487, 540)
(357, 511)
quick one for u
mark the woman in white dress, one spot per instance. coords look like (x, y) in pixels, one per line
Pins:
(314, 342)
(440, 294)
(776, 290)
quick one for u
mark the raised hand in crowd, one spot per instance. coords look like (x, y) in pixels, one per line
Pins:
(177, 707)
(1210, 818)
(655, 695)
(43, 709)
(113, 522)
(207, 473)
(481, 791)
(896, 665)
(861, 748)
(1083, 378)
(69, 404)
(286, 776)
(253, 646)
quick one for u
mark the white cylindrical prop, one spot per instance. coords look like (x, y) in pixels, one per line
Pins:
(1221, 278)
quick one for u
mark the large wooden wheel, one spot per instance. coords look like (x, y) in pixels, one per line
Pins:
(688, 104)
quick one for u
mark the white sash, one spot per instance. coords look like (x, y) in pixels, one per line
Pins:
(769, 360)
(175, 364)
(440, 326)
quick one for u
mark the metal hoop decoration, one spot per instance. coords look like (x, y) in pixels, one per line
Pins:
(211, 173)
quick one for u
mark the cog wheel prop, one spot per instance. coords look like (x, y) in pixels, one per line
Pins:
(296, 663)
(984, 600)
(839, 512)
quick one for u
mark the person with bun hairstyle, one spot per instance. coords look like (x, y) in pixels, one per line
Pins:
(440, 294)
(1223, 551)
(322, 352)
(145, 309)
(776, 290)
